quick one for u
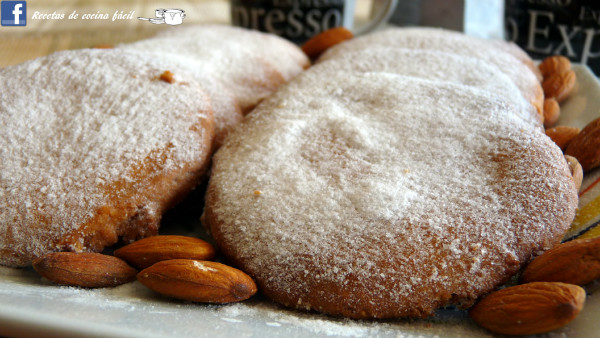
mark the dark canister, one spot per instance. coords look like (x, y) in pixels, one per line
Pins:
(556, 27)
(299, 20)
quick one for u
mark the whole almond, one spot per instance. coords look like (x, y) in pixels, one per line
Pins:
(575, 262)
(198, 281)
(89, 270)
(576, 171)
(150, 250)
(562, 135)
(325, 40)
(529, 308)
(585, 147)
(556, 64)
(551, 112)
(559, 86)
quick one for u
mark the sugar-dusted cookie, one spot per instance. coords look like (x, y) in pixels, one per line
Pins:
(379, 195)
(226, 110)
(94, 145)
(524, 74)
(427, 64)
(286, 57)
(516, 51)
(250, 64)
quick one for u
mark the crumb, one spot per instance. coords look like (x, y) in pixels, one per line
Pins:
(167, 76)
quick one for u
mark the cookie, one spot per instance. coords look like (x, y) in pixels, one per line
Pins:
(252, 65)
(226, 110)
(286, 57)
(376, 195)
(431, 65)
(523, 74)
(94, 147)
(516, 51)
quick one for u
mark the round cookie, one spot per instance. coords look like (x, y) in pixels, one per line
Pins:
(94, 146)
(286, 57)
(431, 65)
(226, 110)
(239, 59)
(522, 74)
(378, 195)
(516, 51)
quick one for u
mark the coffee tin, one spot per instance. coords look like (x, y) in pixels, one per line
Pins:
(296, 20)
(556, 27)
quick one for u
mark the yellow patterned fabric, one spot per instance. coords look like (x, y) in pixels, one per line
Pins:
(587, 220)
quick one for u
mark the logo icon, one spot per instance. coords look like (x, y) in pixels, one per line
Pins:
(13, 13)
(170, 16)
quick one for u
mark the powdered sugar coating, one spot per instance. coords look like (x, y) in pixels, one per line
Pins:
(516, 51)
(385, 196)
(81, 128)
(451, 42)
(431, 65)
(226, 110)
(286, 57)
(243, 61)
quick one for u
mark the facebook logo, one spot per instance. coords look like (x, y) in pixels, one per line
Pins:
(14, 13)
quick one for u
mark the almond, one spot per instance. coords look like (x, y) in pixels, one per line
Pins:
(198, 281)
(585, 147)
(89, 270)
(150, 250)
(325, 40)
(575, 262)
(576, 171)
(551, 112)
(562, 135)
(554, 65)
(559, 86)
(529, 308)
